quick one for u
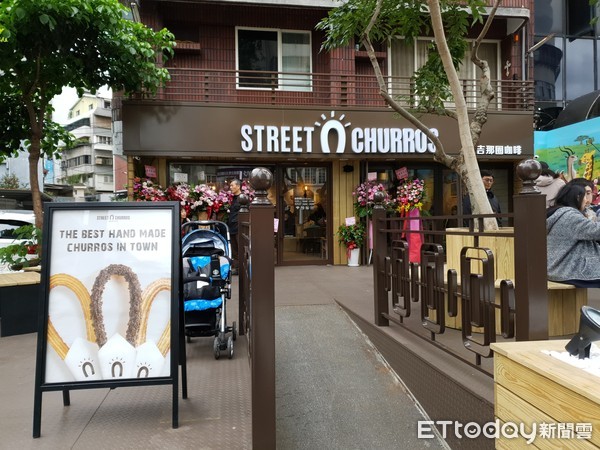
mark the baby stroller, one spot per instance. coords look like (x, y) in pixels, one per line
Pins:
(206, 272)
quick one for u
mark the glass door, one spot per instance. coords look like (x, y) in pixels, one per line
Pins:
(303, 209)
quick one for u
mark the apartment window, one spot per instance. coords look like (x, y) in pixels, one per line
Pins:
(107, 104)
(287, 54)
(79, 161)
(407, 58)
(90, 107)
(104, 140)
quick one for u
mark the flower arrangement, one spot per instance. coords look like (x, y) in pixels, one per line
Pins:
(193, 198)
(247, 190)
(203, 198)
(364, 201)
(222, 202)
(144, 190)
(410, 195)
(180, 193)
(352, 236)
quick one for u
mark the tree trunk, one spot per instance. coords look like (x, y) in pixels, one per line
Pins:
(34, 159)
(470, 169)
(35, 145)
(465, 164)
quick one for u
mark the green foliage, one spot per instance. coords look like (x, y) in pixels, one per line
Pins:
(72, 180)
(409, 19)
(80, 43)
(352, 236)
(15, 255)
(85, 44)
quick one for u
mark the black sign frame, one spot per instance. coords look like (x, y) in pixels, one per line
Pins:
(177, 339)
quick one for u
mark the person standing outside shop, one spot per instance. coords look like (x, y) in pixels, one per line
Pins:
(232, 221)
(488, 181)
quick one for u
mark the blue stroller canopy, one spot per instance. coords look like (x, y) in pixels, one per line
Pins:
(204, 243)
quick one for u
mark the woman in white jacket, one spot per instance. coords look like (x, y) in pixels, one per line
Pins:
(549, 183)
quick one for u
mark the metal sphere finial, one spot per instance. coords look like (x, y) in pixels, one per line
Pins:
(379, 197)
(261, 180)
(528, 170)
(244, 201)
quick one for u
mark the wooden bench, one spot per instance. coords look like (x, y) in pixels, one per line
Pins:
(564, 300)
(564, 306)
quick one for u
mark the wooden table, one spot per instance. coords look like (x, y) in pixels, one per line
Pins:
(531, 387)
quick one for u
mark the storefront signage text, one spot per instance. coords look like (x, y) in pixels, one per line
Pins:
(299, 139)
(499, 150)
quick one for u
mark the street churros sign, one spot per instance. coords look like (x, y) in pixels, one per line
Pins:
(109, 279)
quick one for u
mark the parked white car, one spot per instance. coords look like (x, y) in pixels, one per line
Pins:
(10, 220)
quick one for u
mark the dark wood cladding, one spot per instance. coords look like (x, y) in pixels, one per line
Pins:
(206, 32)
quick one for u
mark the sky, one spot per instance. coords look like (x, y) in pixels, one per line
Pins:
(63, 102)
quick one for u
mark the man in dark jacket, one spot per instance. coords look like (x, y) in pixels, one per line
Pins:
(232, 221)
(488, 181)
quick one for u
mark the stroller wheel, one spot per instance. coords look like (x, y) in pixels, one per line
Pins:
(230, 347)
(234, 330)
(217, 348)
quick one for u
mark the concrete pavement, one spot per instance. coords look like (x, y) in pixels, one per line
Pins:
(333, 389)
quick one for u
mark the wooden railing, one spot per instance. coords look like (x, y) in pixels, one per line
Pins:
(464, 283)
(323, 89)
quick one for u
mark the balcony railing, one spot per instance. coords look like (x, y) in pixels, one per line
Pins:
(319, 89)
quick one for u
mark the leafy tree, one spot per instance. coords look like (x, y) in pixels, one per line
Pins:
(10, 181)
(86, 44)
(437, 81)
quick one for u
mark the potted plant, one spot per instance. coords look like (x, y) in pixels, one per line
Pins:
(19, 291)
(24, 251)
(353, 237)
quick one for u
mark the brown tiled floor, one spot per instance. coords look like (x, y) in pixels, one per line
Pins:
(314, 339)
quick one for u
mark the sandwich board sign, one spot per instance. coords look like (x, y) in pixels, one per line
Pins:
(109, 314)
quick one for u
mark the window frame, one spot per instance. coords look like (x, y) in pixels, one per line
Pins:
(415, 61)
(281, 86)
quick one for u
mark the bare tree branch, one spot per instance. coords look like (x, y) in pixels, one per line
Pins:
(440, 154)
(487, 93)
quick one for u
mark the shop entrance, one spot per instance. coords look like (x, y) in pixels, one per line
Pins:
(303, 209)
(299, 194)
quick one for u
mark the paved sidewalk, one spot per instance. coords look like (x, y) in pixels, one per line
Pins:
(333, 390)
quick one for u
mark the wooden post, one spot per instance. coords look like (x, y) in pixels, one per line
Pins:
(262, 320)
(379, 266)
(531, 276)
